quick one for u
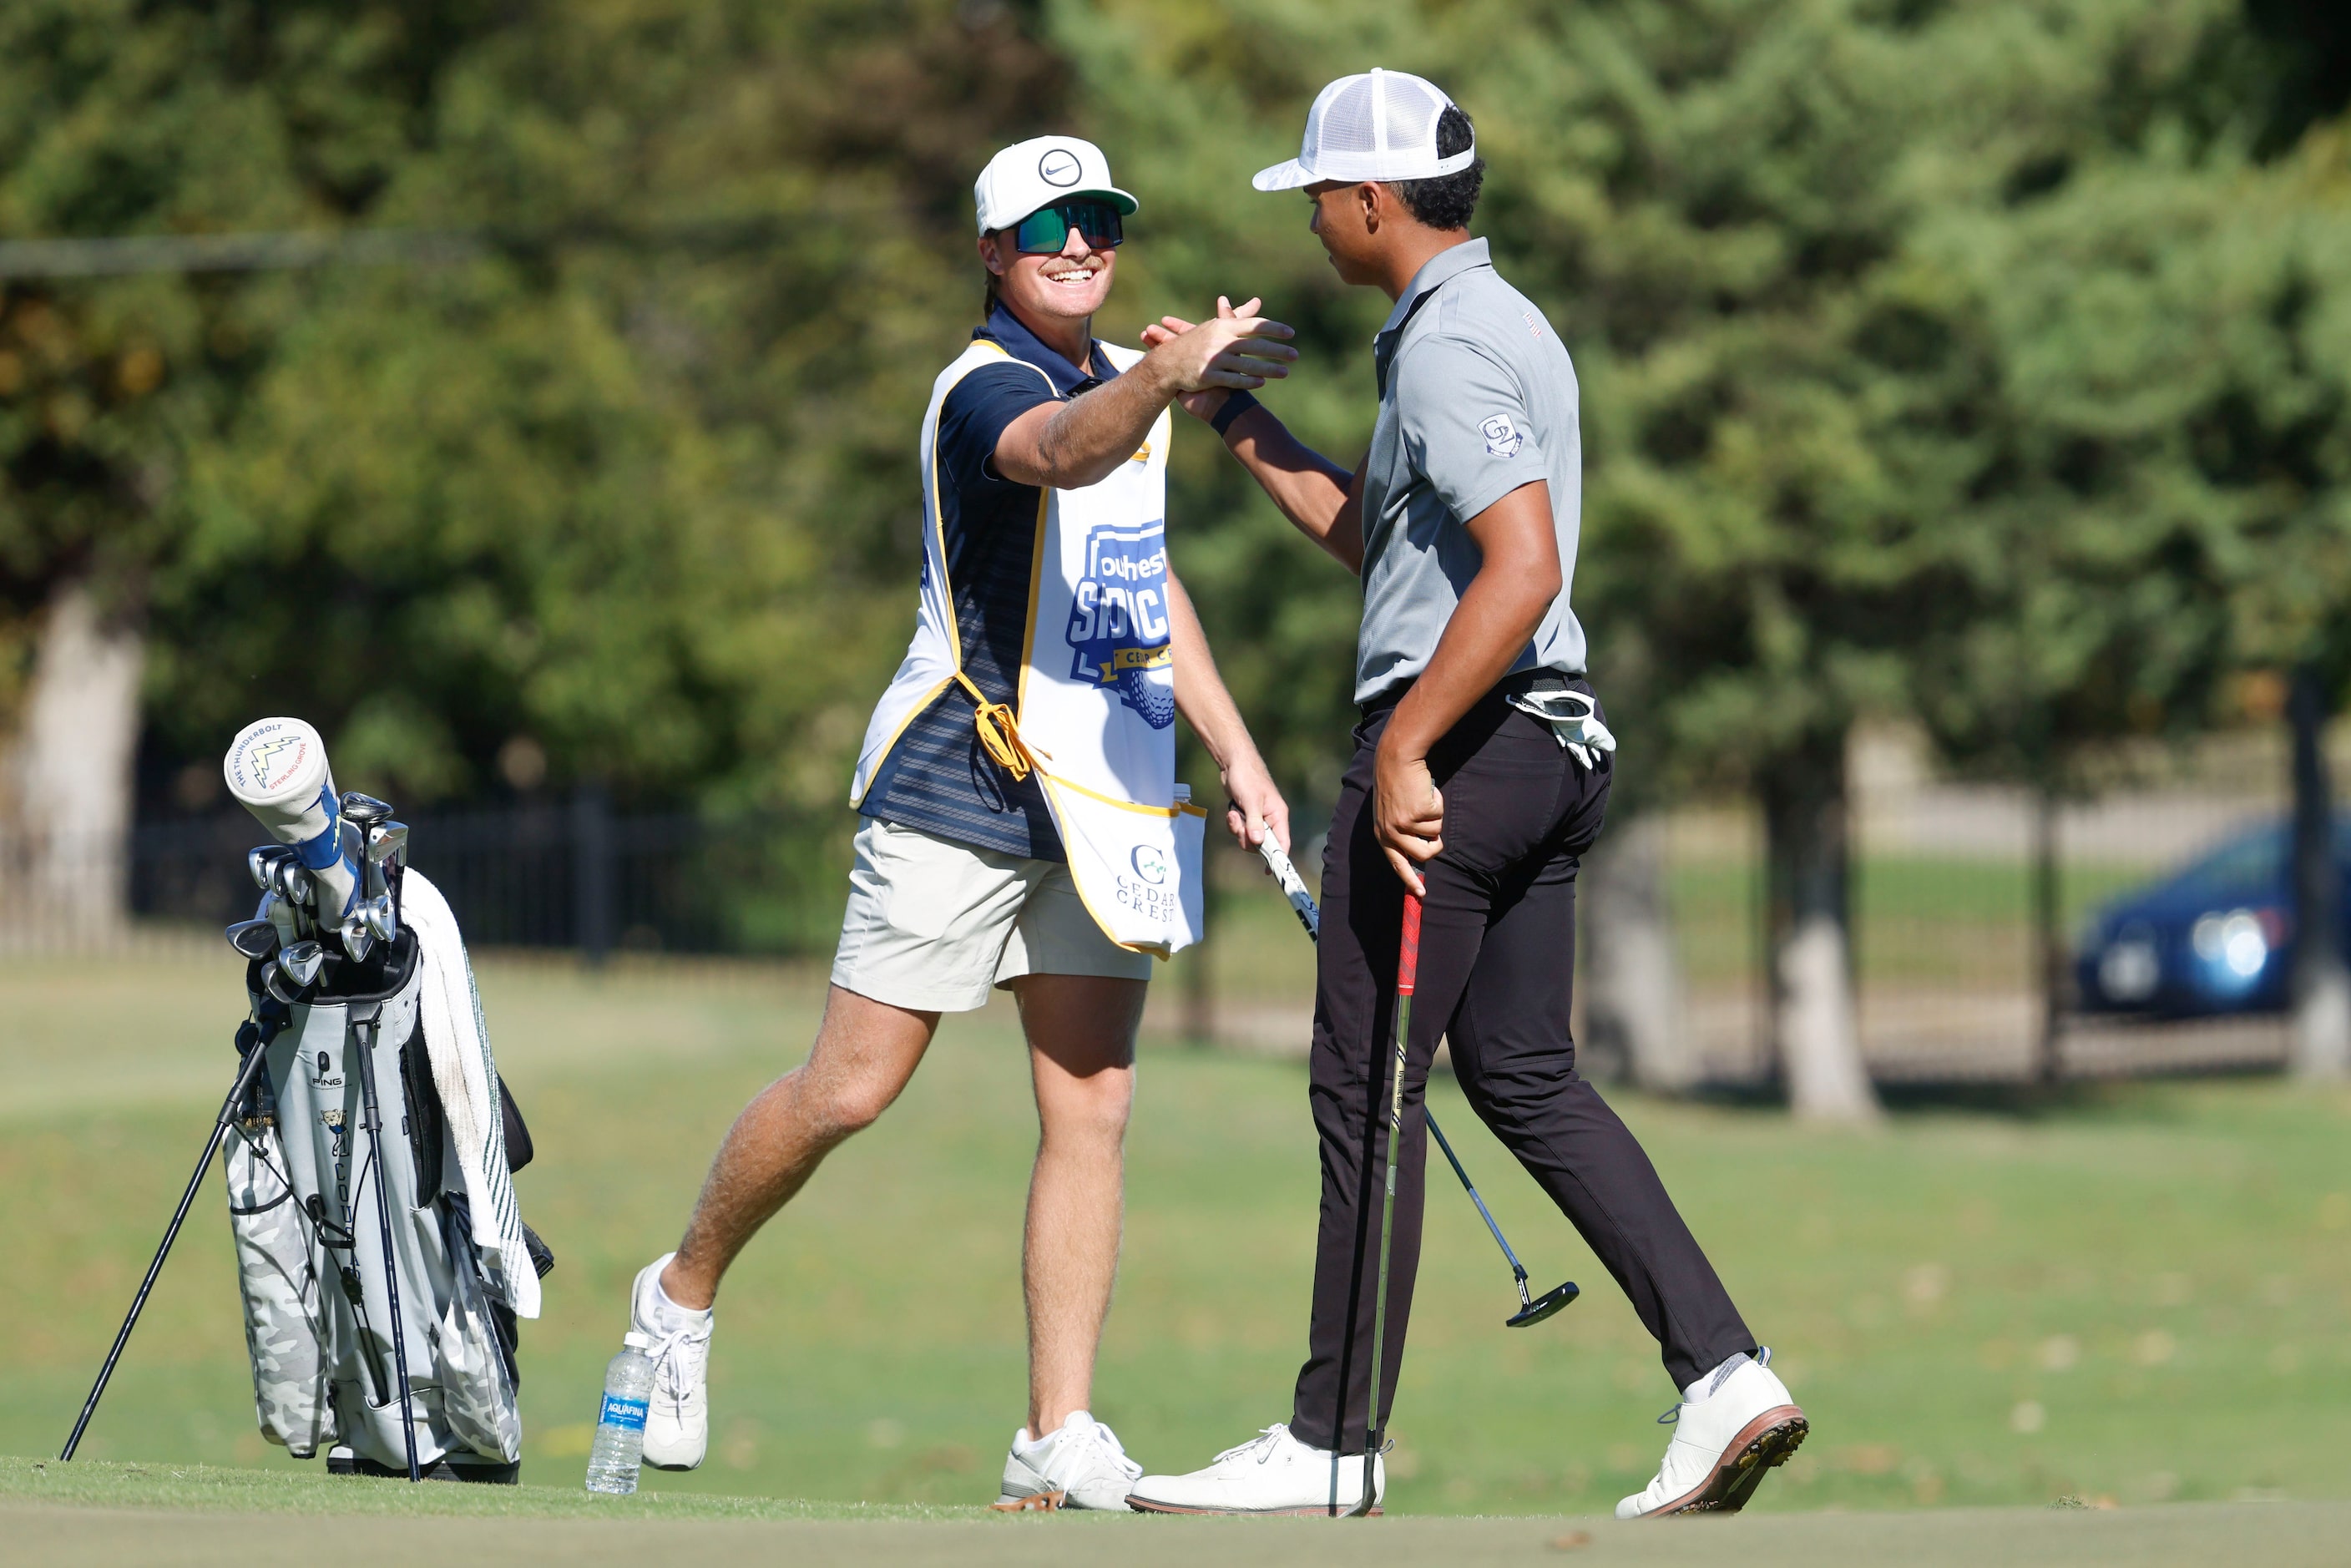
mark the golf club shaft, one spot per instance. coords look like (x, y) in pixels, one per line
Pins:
(1454, 1160)
(1302, 904)
(1407, 976)
(254, 1060)
(372, 1119)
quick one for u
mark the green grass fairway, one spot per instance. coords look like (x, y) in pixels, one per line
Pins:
(2135, 1296)
(89, 1514)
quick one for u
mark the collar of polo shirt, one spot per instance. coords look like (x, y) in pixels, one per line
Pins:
(1012, 334)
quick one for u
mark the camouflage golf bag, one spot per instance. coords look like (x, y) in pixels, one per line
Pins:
(320, 1316)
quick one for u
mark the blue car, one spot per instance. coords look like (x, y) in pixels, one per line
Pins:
(2217, 937)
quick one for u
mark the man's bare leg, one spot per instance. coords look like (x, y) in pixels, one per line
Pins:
(865, 1051)
(1080, 1030)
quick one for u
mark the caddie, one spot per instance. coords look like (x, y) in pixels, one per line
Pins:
(1481, 770)
(1022, 825)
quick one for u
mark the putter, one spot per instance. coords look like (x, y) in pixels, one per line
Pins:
(1532, 1308)
(252, 1039)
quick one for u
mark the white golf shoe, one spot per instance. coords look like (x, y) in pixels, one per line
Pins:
(677, 1416)
(1272, 1473)
(1080, 1465)
(1732, 1424)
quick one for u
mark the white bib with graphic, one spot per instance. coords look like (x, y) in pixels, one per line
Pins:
(1095, 712)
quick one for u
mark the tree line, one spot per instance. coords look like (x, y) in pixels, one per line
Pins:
(1984, 362)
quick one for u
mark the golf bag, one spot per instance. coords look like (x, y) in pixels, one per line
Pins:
(310, 1249)
(371, 1146)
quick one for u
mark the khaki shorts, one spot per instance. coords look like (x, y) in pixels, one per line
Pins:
(934, 926)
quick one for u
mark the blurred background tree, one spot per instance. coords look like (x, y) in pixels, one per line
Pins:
(624, 494)
(1963, 361)
(1981, 363)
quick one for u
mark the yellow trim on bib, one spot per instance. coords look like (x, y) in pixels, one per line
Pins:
(1000, 733)
(1183, 807)
(998, 725)
(1036, 585)
(1158, 950)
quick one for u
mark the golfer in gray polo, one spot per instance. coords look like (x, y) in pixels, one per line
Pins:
(1480, 776)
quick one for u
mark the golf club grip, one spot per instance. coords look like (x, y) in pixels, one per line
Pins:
(1408, 951)
(1293, 887)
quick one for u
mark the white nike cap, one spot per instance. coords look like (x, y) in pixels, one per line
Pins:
(1381, 125)
(1035, 174)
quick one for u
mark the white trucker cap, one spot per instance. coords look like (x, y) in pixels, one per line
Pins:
(1381, 125)
(1035, 174)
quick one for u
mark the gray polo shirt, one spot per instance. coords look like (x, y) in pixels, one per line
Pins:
(1476, 398)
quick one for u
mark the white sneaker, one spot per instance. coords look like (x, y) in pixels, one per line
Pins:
(1080, 1465)
(1732, 1424)
(1272, 1473)
(677, 1416)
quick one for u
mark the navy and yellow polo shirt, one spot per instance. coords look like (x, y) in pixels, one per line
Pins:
(938, 779)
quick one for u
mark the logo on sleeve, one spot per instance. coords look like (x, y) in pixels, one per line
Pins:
(1118, 633)
(1503, 437)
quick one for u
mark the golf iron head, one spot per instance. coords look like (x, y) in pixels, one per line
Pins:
(1543, 1306)
(386, 840)
(256, 939)
(387, 844)
(356, 938)
(277, 982)
(302, 963)
(261, 863)
(381, 924)
(279, 914)
(292, 882)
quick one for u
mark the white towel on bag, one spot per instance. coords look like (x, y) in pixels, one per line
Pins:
(457, 1041)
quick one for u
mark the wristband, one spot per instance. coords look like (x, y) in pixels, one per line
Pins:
(1237, 403)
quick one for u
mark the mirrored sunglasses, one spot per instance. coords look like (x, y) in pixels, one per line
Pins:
(1045, 230)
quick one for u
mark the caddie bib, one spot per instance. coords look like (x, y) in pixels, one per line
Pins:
(1094, 714)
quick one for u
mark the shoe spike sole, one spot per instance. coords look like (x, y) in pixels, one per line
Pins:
(1768, 1443)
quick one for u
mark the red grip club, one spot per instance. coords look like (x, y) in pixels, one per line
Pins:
(1408, 973)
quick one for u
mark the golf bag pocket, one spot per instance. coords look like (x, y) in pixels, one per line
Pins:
(293, 1397)
(475, 1361)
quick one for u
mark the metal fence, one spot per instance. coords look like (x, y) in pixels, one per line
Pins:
(562, 875)
(1951, 981)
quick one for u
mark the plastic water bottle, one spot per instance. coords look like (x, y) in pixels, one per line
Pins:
(620, 1449)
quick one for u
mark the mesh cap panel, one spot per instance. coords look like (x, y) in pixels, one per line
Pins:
(1381, 125)
(1412, 111)
(1347, 125)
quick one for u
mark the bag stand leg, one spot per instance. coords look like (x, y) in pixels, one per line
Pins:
(371, 1118)
(254, 1040)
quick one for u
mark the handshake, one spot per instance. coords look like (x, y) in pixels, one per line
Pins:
(1205, 362)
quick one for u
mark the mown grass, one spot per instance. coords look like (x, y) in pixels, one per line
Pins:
(2133, 1294)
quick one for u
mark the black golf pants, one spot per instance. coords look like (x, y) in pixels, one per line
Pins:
(1497, 964)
